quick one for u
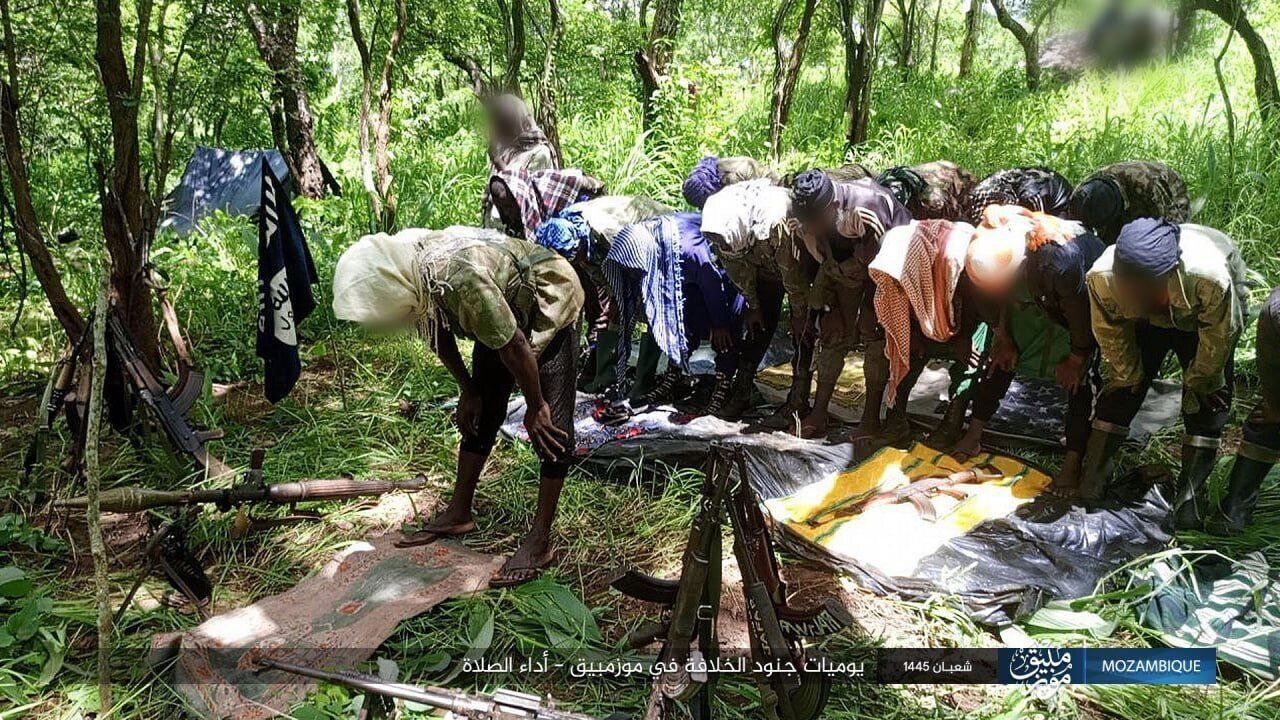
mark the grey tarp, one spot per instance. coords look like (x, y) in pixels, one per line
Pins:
(1002, 569)
(226, 180)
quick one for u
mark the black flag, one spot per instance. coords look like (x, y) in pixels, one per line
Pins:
(285, 276)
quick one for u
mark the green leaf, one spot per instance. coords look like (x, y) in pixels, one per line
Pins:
(1058, 618)
(24, 623)
(14, 582)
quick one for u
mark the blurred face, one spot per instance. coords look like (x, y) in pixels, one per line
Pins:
(818, 230)
(1150, 294)
(507, 207)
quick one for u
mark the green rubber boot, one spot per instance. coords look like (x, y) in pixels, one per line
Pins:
(1190, 507)
(1250, 469)
(1100, 460)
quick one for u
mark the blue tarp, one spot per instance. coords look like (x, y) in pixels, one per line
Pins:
(227, 180)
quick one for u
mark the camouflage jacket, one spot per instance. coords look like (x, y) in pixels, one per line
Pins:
(503, 285)
(1149, 189)
(1207, 295)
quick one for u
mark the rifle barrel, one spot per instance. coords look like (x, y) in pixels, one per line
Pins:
(136, 499)
(502, 705)
(369, 683)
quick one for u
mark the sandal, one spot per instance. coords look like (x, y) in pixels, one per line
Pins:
(508, 577)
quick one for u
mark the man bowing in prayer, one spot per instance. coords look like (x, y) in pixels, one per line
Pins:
(519, 302)
(841, 224)
(1165, 288)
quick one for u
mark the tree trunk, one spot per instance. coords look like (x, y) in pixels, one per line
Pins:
(164, 87)
(1026, 38)
(128, 216)
(513, 25)
(933, 43)
(27, 223)
(1264, 72)
(275, 32)
(375, 128)
(546, 105)
(787, 63)
(907, 13)
(1184, 30)
(382, 131)
(652, 62)
(366, 110)
(860, 36)
(972, 24)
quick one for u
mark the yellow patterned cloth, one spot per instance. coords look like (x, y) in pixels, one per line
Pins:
(893, 537)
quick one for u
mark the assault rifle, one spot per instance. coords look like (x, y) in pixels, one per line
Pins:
(920, 493)
(501, 705)
(777, 630)
(252, 491)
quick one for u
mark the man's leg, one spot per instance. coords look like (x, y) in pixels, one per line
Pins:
(495, 384)
(1260, 447)
(835, 340)
(968, 353)
(555, 366)
(1079, 411)
(1203, 436)
(754, 348)
(1115, 410)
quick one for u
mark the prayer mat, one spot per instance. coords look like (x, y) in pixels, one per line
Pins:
(1004, 550)
(1030, 415)
(825, 513)
(331, 620)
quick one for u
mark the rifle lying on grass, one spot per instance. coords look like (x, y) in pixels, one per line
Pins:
(920, 493)
(252, 491)
(167, 551)
(501, 705)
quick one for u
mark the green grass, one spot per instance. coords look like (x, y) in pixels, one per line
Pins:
(344, 418)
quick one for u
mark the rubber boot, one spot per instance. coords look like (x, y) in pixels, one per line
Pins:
(1199, 454)
(741, 395)
(1252, 464)
(646, 366)
(1100, 460)
(796, 405)
(605, 371)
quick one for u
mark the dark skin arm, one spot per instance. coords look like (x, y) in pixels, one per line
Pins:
(468, 413)
(517, 355)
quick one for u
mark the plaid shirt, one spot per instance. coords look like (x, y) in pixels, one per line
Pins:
(1035, 188)
(542, 194)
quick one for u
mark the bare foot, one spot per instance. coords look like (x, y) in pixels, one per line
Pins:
(528, 561)
(447, 524)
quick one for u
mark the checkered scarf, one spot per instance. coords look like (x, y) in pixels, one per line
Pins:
(541, 194)
(916, 273)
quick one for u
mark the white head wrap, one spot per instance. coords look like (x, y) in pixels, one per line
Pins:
(392, 280)
(744, 213)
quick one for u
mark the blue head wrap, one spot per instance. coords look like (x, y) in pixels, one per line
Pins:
(1148, 247)
(564, 233)
(703, 182)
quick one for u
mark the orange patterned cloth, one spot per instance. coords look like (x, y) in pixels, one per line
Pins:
(916, 273)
